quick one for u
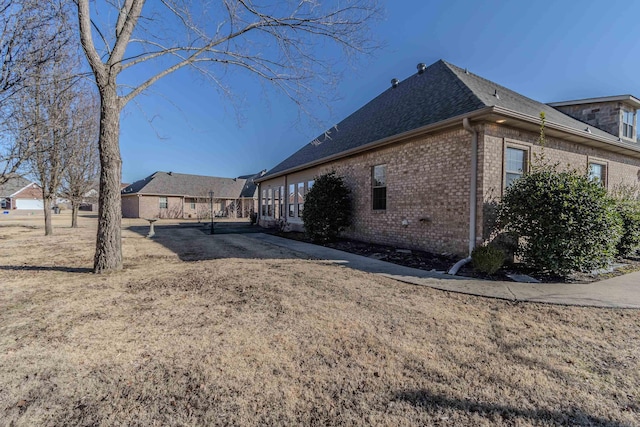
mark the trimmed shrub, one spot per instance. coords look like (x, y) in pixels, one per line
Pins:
(564, 222)
(487, 259)
(629, 212)
(327, 208)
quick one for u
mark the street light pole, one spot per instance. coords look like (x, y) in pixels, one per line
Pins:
(211, 203)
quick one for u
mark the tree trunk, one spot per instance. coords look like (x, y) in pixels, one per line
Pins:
(48, 227)
(74, 213)
(108, 255)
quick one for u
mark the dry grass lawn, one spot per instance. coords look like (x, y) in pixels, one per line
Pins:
(226, 331)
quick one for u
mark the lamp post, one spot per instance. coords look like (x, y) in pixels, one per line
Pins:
(211, 204)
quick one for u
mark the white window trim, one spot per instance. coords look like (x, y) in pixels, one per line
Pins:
(602, 162)
(519, 145)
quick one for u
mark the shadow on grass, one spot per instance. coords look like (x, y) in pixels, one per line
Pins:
(426, 400)
(46, 268)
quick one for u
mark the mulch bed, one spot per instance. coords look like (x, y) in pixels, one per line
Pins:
(443, 262)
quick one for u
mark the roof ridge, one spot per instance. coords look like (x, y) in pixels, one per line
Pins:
(449, 67)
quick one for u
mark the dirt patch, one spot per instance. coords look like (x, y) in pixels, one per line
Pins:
(253, 337)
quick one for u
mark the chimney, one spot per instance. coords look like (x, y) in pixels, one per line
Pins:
(395, 83)
(421, 67)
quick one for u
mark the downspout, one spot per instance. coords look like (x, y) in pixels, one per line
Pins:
(473, 197)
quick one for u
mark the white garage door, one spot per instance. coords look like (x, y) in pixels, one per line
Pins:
(29, 204)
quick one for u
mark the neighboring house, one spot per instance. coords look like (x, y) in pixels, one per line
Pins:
(20, 193)
(176, 195)
(425, 158)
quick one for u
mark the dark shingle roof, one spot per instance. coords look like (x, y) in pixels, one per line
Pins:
(443, 91)
(250, 186)
(163, 183)
(13, 185)
(485, 91)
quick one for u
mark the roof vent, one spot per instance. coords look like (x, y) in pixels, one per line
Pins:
(395, 83)
(587, 130)
(466, 71)
(495, 93)
(421, 67)
(169, 173)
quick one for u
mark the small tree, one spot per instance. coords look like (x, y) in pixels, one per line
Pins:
(628, 206)
(327, 208)
(564, 221)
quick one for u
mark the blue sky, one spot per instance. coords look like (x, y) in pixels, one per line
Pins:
(549, 51)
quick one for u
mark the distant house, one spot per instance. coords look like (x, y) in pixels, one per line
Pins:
(425, 157)
(176, 195)
(20, 193)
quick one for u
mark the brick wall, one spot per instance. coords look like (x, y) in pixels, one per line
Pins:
(428, 184)
(130, 206)
(149, 207)
(603, 115)
(33, 191)
(621, 169)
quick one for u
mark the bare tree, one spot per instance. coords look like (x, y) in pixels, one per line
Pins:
(81, 156)
(280, 43)
(45, 108)
(25, 47)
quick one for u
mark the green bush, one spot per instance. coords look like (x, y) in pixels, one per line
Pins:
(629, 212)
(564, 222)
(487, 259)
(327, 208)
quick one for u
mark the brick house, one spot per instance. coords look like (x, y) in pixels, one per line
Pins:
(425, 158)
(20, 193)
(176, 195)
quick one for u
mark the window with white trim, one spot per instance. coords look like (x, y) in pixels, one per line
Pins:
(627, 124)
(283, 203)
(164, 203)
(598, 172)
(292, 200)
(516, 164)
(379, 187)
(300, 198)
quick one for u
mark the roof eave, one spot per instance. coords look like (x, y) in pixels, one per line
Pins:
(618, 146)
(619, 98)
(457, 120)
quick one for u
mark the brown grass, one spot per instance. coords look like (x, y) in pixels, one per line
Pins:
(244, 334)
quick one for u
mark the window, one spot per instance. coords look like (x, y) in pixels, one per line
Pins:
(283, 204)
(3, 203)
(276, 202)
(192, 204)
(263, 204)
(516, 164)
(379, 185)
(598, 172)
(310, 185)
(627, 124)
(300, 196)
(164, 203)
(292, 200)
(270, 202)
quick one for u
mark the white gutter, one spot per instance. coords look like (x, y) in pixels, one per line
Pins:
(473, 196)
(473, 188)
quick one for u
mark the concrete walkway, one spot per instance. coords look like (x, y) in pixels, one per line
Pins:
(619, 292)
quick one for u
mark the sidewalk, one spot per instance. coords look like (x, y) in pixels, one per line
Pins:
(618, 292)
